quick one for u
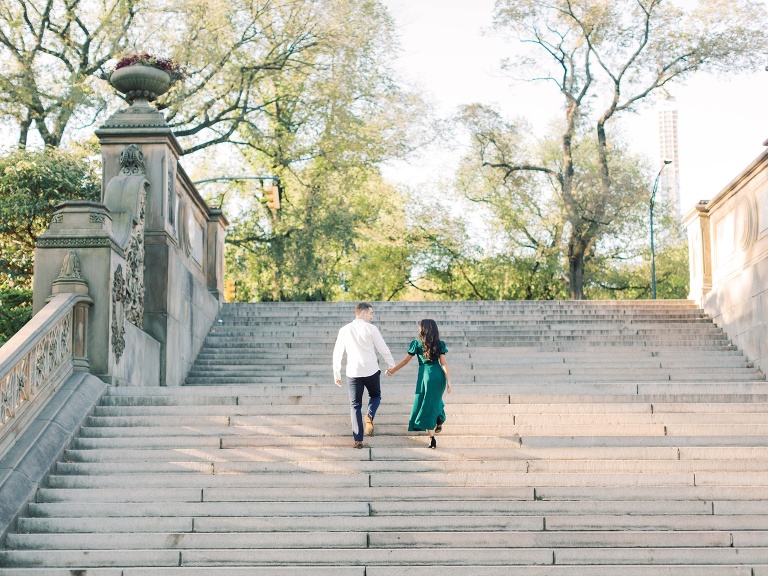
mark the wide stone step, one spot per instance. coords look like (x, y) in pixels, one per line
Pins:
(752, 454)
(224, 467)
(395, 570)
(388, 556)
(387, 539)
(554, 523)
(393, 418)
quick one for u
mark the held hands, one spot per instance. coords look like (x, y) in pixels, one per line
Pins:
(390, 372)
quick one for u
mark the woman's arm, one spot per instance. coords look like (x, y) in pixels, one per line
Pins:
(403, 362)
(444, 365)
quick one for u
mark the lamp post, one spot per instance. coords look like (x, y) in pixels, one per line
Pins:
(653, 252)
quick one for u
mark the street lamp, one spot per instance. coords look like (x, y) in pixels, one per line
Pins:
(653, 253)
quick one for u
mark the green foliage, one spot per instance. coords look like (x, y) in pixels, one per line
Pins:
(328, 125)
(625, 272)
(15, 311)
(31, 185)
(606, 59)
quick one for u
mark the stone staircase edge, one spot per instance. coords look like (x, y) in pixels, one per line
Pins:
(25, 466)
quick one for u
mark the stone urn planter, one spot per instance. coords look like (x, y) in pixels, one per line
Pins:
(140, 82)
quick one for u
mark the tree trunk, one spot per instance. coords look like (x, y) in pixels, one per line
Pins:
(576, 252)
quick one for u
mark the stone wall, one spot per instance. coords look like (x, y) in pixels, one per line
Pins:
(728, 251)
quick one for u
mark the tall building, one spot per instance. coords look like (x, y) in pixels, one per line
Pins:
(669, 183)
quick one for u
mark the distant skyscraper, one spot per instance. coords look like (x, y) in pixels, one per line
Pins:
(669, 184)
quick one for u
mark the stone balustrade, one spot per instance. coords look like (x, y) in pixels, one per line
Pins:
(36, 360)
(728, 256)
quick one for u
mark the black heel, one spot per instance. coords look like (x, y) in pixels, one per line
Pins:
(432, 442)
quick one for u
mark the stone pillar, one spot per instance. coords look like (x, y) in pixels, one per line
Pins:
(151, 254)
(183, 239)
(699, 252)
(217, 229)
(71, 281)
(85, 228)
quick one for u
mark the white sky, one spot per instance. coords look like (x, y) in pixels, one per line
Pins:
(721, 123)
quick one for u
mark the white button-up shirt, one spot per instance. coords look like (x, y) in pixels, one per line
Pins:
(360, 340)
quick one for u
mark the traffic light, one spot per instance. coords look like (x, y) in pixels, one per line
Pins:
(272, 195)
(230, 290)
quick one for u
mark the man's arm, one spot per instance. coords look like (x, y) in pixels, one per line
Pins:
(338, 354)
(381, 346)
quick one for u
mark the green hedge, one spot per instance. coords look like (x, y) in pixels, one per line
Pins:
(15, 311)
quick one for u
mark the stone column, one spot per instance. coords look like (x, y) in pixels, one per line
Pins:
(217, 229)
(182, 249)
(84, 228)
(699, 252)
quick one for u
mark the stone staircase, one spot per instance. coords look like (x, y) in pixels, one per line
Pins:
(583, 439)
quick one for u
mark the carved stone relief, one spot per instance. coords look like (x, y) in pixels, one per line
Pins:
(96, 218)
(171, 189)
(70, 268)
(118, 313)
(132, 160)
(57, 218)
(134, 259)
(125, 196)
(746, 222)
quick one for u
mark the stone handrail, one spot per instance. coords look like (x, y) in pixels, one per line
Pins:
(41, 356)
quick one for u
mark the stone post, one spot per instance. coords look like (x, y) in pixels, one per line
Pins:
(84, 228)
(699, 252)
(182, 238)
(217, 229)
(70, 280)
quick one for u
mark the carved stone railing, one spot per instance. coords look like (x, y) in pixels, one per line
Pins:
(36, 360)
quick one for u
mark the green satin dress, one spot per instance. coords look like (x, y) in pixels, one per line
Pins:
(428, 407)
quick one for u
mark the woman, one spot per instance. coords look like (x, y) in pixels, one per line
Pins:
(428, 411)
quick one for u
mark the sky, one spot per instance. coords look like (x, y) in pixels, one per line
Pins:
(722, 123)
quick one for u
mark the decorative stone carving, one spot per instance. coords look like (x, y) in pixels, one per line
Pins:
(70, 268)
(70, 278)
(171, 189)
(55, 242)
(134, 261)
(57, 218)
(118, 314)
(96, 218)
(746, 222)
(132, 160)
(125, 196)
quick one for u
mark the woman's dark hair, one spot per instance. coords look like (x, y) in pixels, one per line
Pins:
(430, 339)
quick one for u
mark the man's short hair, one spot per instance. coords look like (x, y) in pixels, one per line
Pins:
(362, 307)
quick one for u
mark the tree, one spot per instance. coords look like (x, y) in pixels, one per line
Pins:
(15, 311)
(622, 269)
(606, 58)
(31, 185)
(525, 207)
(326, 129)
(56, 54)
(51, 52)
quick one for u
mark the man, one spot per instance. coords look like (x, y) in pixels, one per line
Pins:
(360, 340)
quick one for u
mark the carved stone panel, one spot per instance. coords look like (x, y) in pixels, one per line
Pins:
(118, 313)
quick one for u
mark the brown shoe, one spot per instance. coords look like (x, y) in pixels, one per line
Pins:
(368, 425)
(358, 444)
